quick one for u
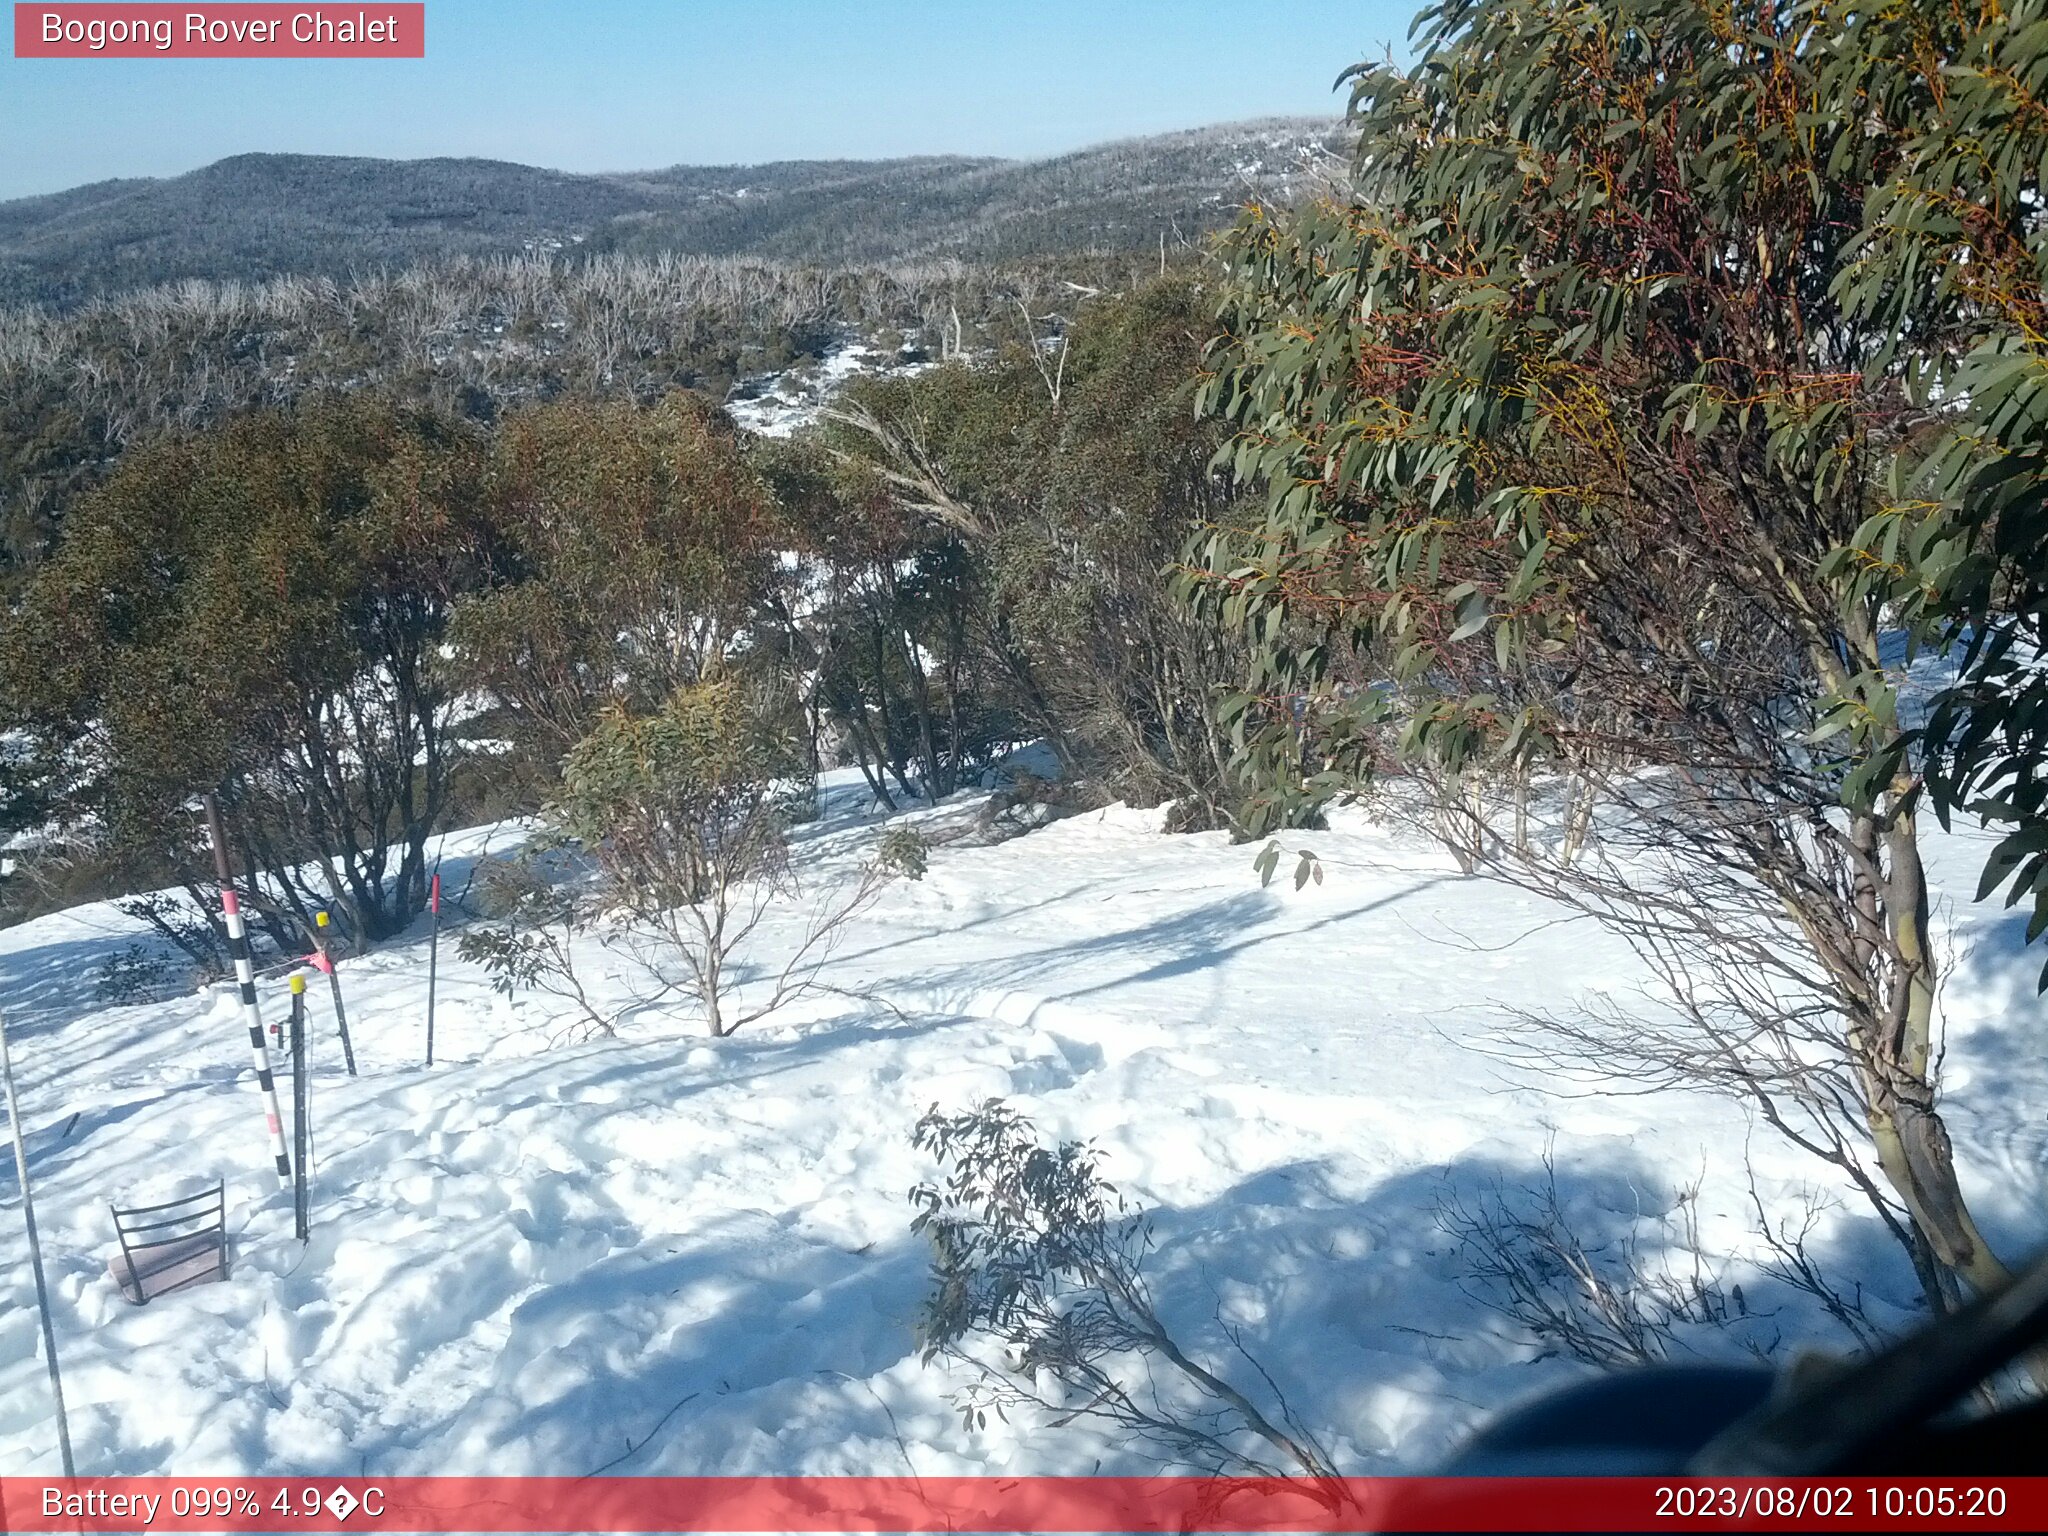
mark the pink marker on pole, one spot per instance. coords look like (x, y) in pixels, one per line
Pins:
(324, 961)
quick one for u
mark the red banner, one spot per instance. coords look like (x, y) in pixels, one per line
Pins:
(969, 1505)
(241, 31)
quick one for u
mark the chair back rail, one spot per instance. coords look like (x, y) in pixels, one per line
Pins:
(192, 1247)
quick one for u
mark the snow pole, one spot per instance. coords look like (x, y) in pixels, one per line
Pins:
(35, 1251)
(245, 974)
(324, 960)
(433, 956)
(301, 1102)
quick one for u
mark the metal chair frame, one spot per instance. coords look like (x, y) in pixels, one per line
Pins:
(200, 1215)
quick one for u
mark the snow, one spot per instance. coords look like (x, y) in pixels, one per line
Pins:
(777, 404)
(525, 1258)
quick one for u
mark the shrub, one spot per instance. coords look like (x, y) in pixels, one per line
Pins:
(684, 813)
(531, 945)
(904, 851)
(1030, 802)
(134, 974)
(1034, 1249)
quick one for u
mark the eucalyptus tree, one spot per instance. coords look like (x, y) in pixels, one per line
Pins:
(636, 544)
(1059, 481)
(1565, 420)
(257, 612)
(1951, 260)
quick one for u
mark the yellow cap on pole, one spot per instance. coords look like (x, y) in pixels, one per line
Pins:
(298, 983)
(320, 919)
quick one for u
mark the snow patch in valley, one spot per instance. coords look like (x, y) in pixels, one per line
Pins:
(777, 404)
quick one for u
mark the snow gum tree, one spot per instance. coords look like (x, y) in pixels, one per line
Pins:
(1059, 478)
(638, 541)
(1951, 260)
(1569, 422)
(256, 611)
(886, 619)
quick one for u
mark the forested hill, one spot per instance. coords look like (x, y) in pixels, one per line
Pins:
(258, 216)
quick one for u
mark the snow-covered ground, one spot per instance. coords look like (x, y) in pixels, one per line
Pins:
(535, 1258)
(777, 404)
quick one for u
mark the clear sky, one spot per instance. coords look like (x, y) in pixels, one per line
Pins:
(631, 84)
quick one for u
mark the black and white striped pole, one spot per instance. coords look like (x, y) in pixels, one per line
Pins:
(35, 1251)
(245, 975)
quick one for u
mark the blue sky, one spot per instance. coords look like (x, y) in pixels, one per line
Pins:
(627, 84)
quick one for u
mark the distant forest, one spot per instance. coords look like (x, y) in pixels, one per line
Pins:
(263, 216)
(140, 307)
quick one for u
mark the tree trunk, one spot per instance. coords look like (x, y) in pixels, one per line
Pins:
(1913, 1145)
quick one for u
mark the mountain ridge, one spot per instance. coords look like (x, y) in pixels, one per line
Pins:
(260, 215)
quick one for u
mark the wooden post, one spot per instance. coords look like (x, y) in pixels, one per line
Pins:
(326, 953)
(35, 1251)
(301, 1133)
